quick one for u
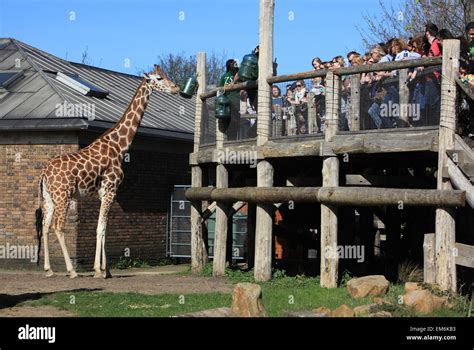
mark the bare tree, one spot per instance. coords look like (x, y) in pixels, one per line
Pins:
(410, 17)
(179, 67)
(85, 58)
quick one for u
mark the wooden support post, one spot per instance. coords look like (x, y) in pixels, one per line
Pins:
(333, 102)
(404, 97)
(220, 233)
(355, 102)
(312, 123)
(445, 221)
(429, 258)
(221, 226)
(265, 70)
(330, 172)
(264, 216)
(277, 122)
(291, 122)
(264, 226)
(329, 255)
(198, 246)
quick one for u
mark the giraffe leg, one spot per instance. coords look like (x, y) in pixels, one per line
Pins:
(59, 230)
(48, 207)
(100, 263)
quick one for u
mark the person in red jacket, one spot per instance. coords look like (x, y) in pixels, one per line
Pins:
(432, 83)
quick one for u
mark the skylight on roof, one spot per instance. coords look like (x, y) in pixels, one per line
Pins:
(81, 85)
(8, 77)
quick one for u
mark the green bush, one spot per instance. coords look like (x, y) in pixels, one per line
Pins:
(128, 263)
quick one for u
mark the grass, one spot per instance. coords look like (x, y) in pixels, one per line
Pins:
(280, 295)
(96, 304)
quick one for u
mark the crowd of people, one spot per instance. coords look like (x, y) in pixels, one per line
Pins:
(377, 89)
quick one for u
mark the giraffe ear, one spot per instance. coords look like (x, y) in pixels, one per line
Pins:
(147, 77)
(160, 72)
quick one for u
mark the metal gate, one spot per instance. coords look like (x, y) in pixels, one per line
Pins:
(179, 228)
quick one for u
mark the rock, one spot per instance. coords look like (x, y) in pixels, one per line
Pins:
(380, 314)
(324, 311)
(343, 311)
(368, 285)
(409, 286)
(420, 300)
(440, 302)
(364, 309)
(247, 300)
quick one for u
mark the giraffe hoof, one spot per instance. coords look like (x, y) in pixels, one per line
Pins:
(98, 274)
(49, 273)
(73, 274)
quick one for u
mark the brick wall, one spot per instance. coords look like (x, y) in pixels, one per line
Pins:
(137, 221)
(138, 218)
(20, 167)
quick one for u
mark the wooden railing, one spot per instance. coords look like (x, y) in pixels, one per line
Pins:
(288, 127)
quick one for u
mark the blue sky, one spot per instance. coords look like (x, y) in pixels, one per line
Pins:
(141, 30)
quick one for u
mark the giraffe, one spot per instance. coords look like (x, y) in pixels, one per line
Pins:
(95, 170)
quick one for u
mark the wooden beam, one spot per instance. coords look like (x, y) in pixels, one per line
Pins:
(445, 221)
(386, 66)
(247, 85)
(389, 66)
(467, 89)
(355, 103)
(361, 196)
(429, 270)
(298, 76)
(264, 213)
(329, 227)
(199, 256)
(397, 141)
(464, 255)
(394, 142)
(291, 149)
(460, 182)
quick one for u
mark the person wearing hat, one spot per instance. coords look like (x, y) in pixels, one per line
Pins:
(228, 78)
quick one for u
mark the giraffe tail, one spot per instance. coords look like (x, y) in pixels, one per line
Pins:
(39, 219)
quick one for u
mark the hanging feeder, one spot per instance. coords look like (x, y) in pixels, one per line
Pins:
(249, 67)
(222, 107)
(189, 88)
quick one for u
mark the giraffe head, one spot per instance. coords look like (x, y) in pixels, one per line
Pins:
(159, 81)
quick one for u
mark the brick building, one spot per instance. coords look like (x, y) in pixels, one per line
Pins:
(36, 123)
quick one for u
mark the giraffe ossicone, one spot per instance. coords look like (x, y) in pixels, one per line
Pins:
(95, 170)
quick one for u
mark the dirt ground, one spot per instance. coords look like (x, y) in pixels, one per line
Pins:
(20, 286)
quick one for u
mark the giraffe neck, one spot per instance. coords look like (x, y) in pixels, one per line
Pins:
(122, 134)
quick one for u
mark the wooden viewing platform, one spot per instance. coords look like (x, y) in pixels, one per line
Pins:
(333, 168)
